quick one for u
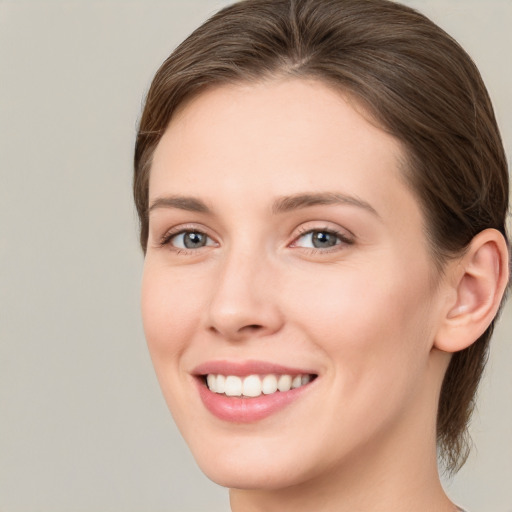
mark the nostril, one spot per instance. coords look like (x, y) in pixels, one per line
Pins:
(251, 328)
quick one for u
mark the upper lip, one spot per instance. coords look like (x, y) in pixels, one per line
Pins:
(248, 367)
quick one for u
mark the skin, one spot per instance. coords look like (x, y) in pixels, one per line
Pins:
(363, 314)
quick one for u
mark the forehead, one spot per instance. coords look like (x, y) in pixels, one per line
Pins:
(275, 135)
(276, 123)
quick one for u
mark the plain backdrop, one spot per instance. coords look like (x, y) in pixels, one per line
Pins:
(83, 426)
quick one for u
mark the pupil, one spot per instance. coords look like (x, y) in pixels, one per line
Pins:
(194, 240)
(322, 239)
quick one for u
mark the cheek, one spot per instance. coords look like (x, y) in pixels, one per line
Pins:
(373, 330)
(170, 311)
(372, 323)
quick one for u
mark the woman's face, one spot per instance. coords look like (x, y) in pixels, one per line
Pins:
(285, 250)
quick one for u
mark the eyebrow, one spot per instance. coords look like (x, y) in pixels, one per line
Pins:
(281, 205)
(298, 201)
(190, 204)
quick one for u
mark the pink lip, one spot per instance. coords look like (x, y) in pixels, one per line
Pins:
(244, 368)
(244, 409)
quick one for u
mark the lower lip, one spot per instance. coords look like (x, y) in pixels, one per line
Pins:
(245, 409)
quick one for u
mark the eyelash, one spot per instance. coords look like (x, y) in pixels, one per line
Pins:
(342, 239)
(170, 235)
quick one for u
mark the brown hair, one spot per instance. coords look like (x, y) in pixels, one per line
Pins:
(417, 83)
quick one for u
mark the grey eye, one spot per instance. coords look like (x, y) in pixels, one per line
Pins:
(191, 240)
(324, 239)
(319, 239)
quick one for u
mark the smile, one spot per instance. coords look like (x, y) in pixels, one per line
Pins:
(250, 391)
(253, 386)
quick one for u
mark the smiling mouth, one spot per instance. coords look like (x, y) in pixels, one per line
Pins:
(250, 391)
(253, 386)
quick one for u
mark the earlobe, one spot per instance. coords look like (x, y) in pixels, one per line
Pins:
(479, 280)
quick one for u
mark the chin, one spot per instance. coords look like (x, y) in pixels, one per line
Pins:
(259, 461)
(245, 475)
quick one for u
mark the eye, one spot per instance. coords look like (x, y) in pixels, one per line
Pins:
(320, 239)
(188, 240)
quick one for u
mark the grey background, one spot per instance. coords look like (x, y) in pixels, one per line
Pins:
(83, 426)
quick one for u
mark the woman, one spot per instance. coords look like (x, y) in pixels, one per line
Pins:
(322, 193)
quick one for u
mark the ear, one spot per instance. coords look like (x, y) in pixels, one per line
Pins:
(477, 282)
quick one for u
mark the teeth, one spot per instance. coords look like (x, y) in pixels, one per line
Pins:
(211, 380)
(233, 386)
(269, 384)
(254, 385)
(284, 383)
(220, 384)
(251, 386)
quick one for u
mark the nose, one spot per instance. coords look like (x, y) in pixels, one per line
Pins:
(244, 302)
